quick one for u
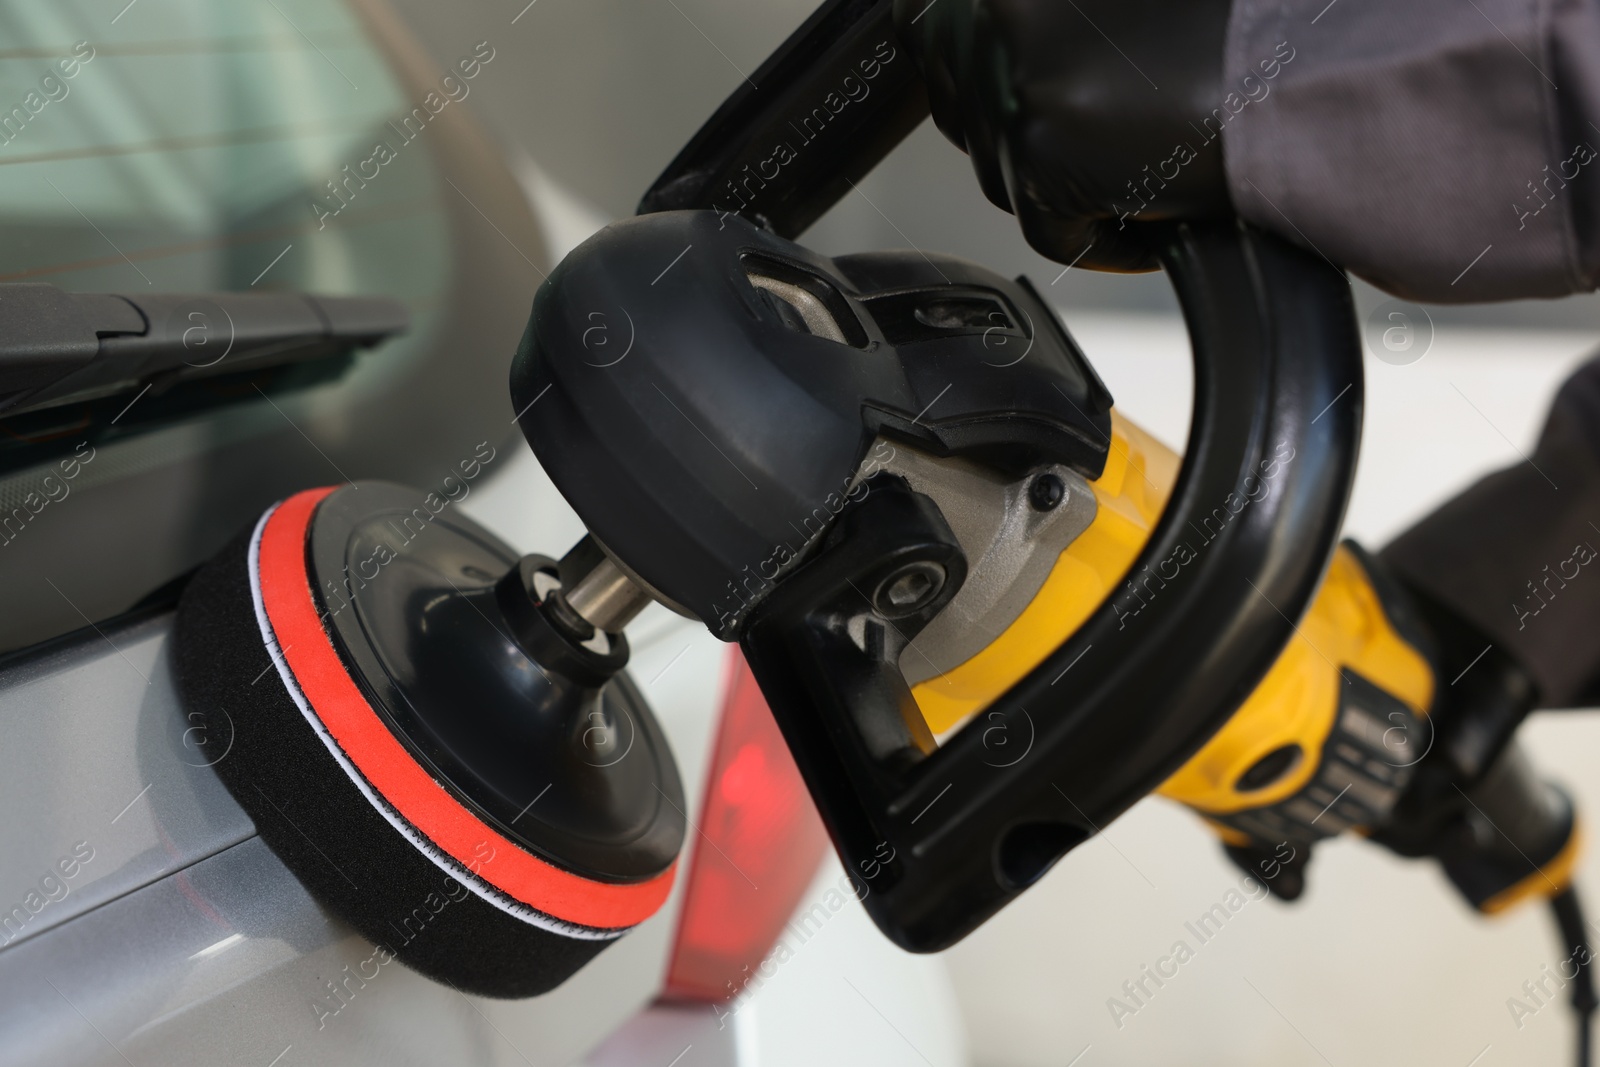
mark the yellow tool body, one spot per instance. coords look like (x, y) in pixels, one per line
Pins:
(1326, 740)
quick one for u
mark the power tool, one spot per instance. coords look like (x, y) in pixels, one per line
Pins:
(988, 612)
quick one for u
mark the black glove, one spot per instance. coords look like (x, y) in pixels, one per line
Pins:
(1087, 119)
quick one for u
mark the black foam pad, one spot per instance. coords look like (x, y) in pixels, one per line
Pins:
(435, 916)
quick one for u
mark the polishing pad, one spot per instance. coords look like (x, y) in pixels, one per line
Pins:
(418, 743)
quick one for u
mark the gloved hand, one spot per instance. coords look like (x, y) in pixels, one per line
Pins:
(1088, 119)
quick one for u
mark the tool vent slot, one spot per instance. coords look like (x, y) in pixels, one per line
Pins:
(804, 301)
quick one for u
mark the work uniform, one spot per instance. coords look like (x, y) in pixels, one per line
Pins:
(1518, 553)
(1451, 152)
(1445, 151)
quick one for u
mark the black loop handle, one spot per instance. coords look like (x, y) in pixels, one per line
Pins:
(1233, 562)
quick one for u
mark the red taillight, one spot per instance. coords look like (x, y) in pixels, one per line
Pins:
(758, 848)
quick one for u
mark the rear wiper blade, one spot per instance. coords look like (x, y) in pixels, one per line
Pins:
(59, 348)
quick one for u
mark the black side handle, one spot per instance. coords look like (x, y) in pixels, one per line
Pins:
(947, 839)
(820, 113)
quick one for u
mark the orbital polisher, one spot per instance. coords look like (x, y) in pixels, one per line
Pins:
(988, 612)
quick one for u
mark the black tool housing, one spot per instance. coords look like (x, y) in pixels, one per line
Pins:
(673, 389)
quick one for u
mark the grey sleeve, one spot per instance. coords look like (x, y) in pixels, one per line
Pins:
(1518, 554)
(1444, 150)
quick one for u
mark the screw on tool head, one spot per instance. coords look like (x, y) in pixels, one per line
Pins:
(1047, 491)
(909, 589)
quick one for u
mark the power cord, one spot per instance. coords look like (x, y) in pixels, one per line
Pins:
(1569, 919)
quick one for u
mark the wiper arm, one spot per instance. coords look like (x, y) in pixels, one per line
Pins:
(59, 348)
